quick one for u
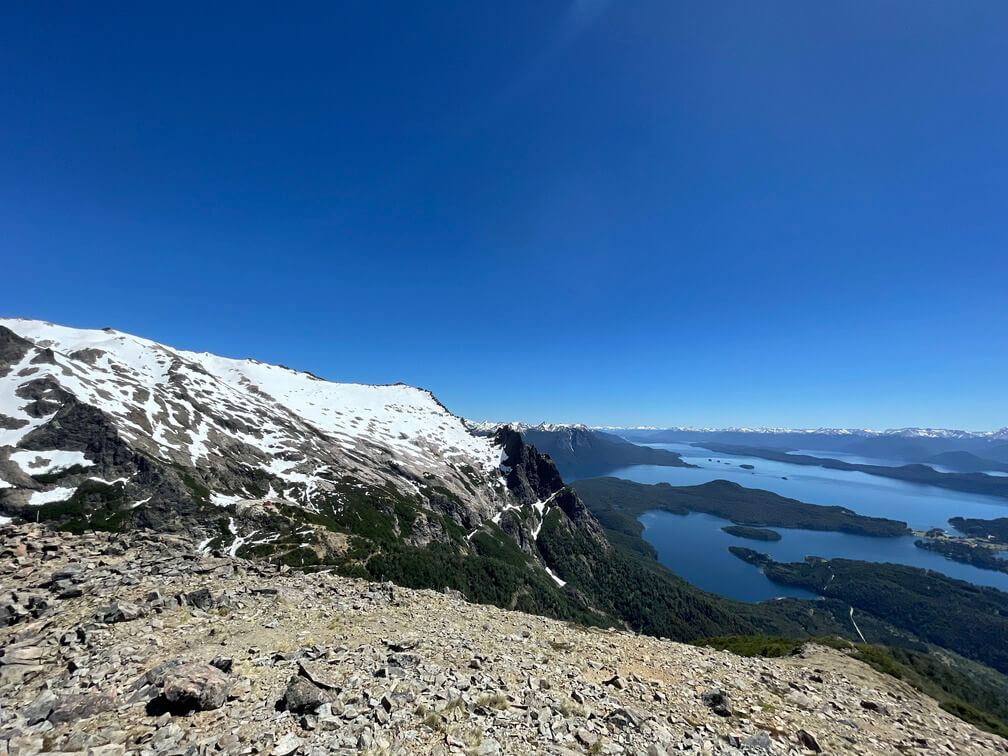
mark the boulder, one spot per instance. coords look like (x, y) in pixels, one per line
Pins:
(121, 611)
(81, 706)
(196, 686)
(201, 599)
(302, 696)
(318, 675)
(808, 741)
(717, 701)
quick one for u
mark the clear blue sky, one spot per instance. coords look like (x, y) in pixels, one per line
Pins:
(667, 212)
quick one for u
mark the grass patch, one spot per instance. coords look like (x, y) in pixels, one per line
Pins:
(497, 701)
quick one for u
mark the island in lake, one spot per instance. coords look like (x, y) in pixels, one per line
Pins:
(753, 534)
(617, 503)
(992, 530)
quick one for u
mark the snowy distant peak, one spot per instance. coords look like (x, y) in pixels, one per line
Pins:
(863, 432)
(488, 426)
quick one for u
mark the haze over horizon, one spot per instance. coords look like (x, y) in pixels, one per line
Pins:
(611, 213)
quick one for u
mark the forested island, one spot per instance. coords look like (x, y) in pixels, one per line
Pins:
(978, 483)
(960, 550)
(753, 534)
(618, 503)
(996, 529)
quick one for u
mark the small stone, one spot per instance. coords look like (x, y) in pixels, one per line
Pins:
(717, 701)
(758, 742)
(287, 745)
(808, 740)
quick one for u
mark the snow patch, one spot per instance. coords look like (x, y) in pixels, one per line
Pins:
(223, 500)
(553, 575)
(38, 498)
(238, 541)
(45, 462)
(13, 406)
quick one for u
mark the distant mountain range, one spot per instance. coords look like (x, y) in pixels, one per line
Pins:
(903, 445)
(935, 433)
(1001, 434)
(985, 451)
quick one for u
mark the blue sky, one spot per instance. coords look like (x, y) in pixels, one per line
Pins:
(717, 213)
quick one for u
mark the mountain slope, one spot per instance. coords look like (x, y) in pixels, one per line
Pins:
(252, 658)
(103, 430)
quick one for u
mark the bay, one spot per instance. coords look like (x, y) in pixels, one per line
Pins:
(695, 547)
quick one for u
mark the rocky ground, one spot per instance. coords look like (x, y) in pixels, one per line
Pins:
(140, 644)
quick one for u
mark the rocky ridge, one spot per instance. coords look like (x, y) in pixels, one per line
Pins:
(140, 643)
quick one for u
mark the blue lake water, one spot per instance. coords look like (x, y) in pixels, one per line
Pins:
(695, 547)
(856, 459)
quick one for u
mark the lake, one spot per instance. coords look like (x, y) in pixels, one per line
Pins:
(856, 459)
(695, 547)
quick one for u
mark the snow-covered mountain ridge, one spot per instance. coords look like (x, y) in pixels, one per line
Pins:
(486, 426)
(489, 427)
(98, 427)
